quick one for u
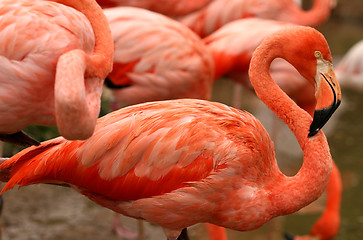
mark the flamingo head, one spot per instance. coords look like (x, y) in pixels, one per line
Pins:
(327, 93)
(311, 56)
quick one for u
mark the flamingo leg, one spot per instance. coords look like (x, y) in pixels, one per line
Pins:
(120, 230)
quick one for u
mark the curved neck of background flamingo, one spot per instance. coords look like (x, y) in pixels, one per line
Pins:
(100, 62)
(333, 193)
(271, 94)
(289, 194)
(313, 17)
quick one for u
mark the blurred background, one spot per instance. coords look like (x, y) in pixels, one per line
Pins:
(55, 213)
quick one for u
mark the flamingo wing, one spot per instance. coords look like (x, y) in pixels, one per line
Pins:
(136, 152)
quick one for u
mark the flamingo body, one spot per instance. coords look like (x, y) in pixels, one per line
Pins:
(156, 58)
(40, 39)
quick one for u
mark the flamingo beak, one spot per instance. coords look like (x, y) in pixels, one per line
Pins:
(328, 95)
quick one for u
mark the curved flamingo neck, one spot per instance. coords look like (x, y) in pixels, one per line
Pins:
(319, 13)
(327, 226)
(271, 94)
(100, 62)
(289, 194)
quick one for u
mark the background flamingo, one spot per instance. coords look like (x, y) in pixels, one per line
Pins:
(241, 188)
(221, 12)
(327, 226)
(52, 65)
(156, 58)
(166, 7)
(350, 67)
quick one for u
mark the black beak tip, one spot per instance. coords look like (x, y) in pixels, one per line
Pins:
(313, 132)
(289, 236)
(321, 117)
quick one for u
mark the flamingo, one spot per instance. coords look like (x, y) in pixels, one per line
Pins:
(350, 67)
(232, 50)
(180, 162)
(221, 12)
(167, 7)
(156, 58)
(54, 58)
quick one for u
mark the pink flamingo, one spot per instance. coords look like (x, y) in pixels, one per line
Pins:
(232, 50)
(221, 12)
(54, 58)
(156, 58)
(179, 162)
(166, 7)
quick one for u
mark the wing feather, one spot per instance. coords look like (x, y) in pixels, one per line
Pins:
(140, 151)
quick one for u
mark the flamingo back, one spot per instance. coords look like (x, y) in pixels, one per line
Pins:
(157, 58)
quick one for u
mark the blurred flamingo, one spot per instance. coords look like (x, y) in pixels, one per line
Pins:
(166, 7)
(179, 162)
(54, 58)
(156, 58)
(221, 12)
(350, 67)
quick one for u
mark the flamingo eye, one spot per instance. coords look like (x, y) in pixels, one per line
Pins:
(318, 54)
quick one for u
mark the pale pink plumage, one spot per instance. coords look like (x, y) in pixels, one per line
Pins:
(53, 60)
(220, 12)
(180, 162)
(156, 58)
(350, 68)
(166, 7)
